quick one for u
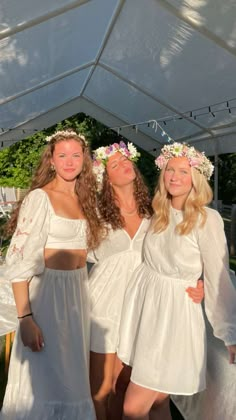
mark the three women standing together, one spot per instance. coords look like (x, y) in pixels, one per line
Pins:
(58, 221)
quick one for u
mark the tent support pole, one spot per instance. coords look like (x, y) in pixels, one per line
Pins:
(216, 180)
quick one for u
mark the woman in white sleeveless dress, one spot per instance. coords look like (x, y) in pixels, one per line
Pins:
(46, 262)
(162, 334)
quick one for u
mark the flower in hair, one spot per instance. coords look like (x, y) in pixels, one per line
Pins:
(196, 159)
(102, 154)
(66, 134)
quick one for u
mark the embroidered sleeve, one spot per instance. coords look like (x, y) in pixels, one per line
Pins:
(25, 256)
(220, 293)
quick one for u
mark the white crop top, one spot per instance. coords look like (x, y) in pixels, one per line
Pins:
(65, 233)
(38, 227)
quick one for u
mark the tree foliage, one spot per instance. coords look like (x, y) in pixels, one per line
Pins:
(227, 178)
(18, 162)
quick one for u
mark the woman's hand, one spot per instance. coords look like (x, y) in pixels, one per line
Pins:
(31, 334)
(196, 293)
(232, 353)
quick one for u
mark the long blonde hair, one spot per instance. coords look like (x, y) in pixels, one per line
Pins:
(85, 186)
(199, 196)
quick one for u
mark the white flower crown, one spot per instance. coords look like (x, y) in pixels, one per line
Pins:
(102, 154)
(67, 134)
(196, 159)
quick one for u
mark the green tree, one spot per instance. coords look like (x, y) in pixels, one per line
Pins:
(227, 178)
(18, 162)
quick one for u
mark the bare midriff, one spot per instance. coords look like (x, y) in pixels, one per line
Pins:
(65, 259)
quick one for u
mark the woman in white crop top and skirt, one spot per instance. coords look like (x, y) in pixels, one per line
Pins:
(46, 263)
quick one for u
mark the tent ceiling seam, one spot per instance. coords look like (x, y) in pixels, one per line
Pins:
(152, 96)
(46, 83)
(111, 25)
(41, 19)
(124, 122)
(198, 140)
(81, 99)
(197, 27)
(24, 123)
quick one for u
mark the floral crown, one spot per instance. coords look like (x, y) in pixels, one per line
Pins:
(102, 154)
(196, 159)
(66, 134)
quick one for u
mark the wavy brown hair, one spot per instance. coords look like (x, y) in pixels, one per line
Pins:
(199, 196)
(107, 203)
(85, 186)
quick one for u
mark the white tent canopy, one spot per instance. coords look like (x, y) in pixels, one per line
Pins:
(121, 62)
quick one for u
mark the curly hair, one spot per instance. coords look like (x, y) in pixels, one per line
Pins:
(199, 196)
(110, 211)
(85, 187)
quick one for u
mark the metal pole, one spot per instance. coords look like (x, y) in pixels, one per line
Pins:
(216, 181)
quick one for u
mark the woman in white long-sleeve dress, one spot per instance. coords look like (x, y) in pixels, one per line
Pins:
(46, 262)
(125, 206)
(191, 238)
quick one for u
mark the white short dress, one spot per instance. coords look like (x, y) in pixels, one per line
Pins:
(115, 260)
(54, 383)
(162, 334)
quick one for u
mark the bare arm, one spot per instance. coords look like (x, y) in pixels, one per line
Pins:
(21, 295)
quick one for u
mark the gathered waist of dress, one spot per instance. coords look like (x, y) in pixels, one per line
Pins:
(175, 277)
(81, 270)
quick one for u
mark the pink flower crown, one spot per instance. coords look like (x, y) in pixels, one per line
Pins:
(196, 159)
(102, 154)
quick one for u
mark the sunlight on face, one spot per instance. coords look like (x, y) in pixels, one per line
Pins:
(68, 159)
(178, 178)
(120, 170)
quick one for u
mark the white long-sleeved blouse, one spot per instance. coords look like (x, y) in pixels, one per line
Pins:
(38, 227)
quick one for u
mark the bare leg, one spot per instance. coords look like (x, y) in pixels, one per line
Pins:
(139, 400)
(121, 377)
(160, 411)
(101, 370)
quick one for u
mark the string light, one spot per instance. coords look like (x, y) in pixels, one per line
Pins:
(153, 123)
(192, 114)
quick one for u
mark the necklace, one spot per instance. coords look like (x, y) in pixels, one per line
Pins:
(176, 212)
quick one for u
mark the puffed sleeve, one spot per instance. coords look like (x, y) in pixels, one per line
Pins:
(25, 256)
(220, 293)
